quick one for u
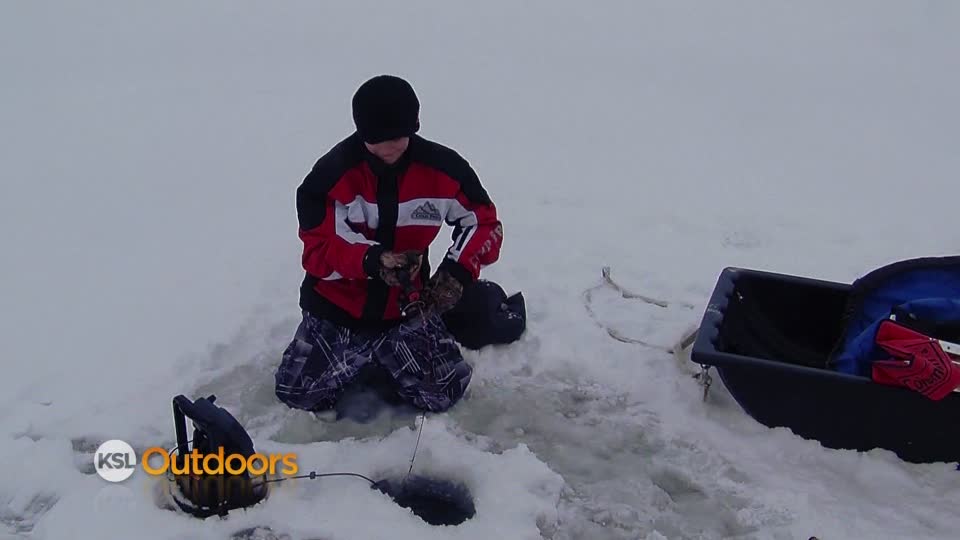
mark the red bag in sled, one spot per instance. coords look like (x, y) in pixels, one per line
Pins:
(920, 363)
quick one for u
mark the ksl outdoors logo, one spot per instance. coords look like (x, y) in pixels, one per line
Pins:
(115, 461)
(212, 464)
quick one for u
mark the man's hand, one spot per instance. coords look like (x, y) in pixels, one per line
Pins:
(398, 269)
(442, 292)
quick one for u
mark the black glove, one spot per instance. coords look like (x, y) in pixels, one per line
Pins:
(399, 269)
(396, 269)
(442, 292)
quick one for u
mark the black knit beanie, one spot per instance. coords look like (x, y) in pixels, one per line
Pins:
(385, 108)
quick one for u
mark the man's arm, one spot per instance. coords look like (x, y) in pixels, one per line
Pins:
(331, 250)
(477, 235)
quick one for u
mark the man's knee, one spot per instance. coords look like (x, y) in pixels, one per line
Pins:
(427, 365)
(446, 392)
(298, 398)
(315, 369)
(299, 392)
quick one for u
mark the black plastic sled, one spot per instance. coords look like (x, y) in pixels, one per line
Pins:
(770, 336)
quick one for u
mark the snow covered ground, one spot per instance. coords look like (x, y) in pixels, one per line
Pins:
(149, 157)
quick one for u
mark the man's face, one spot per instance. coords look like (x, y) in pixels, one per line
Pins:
(389, 151)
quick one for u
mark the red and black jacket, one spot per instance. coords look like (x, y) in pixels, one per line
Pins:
(352, 207)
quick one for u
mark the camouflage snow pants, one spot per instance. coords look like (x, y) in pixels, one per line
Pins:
(420, 357)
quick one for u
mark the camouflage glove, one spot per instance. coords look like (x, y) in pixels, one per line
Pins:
(398, 269)
(442, 292)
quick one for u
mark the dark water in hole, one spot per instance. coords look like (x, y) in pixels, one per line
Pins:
(436, 501)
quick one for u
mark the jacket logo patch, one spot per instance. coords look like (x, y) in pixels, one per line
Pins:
(427, 211)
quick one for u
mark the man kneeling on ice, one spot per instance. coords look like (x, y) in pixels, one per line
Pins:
(368, 211)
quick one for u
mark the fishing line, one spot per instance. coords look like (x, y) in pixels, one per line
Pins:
(423, 420)
(315, 474)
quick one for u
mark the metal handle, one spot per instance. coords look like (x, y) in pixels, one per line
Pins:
(180, 424)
